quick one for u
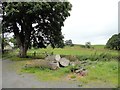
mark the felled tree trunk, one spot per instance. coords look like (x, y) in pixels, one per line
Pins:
(53, 58)
(64, 62)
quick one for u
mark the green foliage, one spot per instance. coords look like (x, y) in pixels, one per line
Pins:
(103, 71)
(88, 45)
(46, 74)
(83, 57)
(72, 53)
(114, 42)
(73, 76)
(82, 46)
(37, 23)
(99, 72)
(96, 57)
(69, 42)
(71, 57)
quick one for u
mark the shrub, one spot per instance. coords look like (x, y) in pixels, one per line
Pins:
(69, 42)
(73, 76)
(71, 57)
(95, 56)
(88, 45)
(101, 56)
(114, 42)
(82, 46)
(82, 58)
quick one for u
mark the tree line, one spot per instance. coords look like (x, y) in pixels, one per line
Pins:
(114, 42)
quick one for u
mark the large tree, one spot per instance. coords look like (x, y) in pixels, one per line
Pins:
(35, 21)
(114, 42)
(69, 42)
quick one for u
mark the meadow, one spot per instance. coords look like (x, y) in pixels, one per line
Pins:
(76, 50)
(105, 71)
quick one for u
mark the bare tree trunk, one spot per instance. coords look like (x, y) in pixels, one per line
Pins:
(23, 38)
(2, 42)
(23, 51)
(23, 47)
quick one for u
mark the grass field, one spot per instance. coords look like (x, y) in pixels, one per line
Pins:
(75, 50)
(105, 71)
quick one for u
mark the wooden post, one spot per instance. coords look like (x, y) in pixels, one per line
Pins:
(34, 54)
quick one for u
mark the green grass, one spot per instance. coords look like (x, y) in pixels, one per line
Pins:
(104, 72)
(75, 50)
(47, 74)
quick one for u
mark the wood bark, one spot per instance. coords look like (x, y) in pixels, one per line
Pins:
(64, 62)
(23, 38)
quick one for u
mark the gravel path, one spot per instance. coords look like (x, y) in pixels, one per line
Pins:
(10, 79)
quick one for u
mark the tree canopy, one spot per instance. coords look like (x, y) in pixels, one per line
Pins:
(69, 42)
(35, 22)
(114, 42)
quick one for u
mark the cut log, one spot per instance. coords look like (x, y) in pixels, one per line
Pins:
(57, 57)
(64, 62)
(37, 63)
(42, 64)
(53, 58)
(54, 66)
(50, 58)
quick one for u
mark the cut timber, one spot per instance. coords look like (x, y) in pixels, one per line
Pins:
(54, 66)
(42, 64)
(50, 58)
(64, 62)
(57, 57)
(53, 58)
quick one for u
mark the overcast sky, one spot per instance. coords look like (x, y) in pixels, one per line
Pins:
(91, 20)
